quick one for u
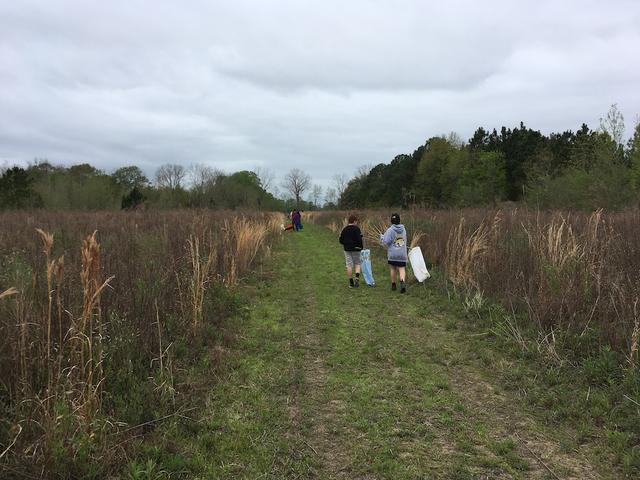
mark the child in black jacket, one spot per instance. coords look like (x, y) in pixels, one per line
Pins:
(351, 239)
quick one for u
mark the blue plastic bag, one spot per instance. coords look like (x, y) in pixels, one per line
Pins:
(367, 272)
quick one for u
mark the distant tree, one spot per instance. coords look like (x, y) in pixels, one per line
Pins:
(633, 154)
(613, 124)
(330, 196)
(316, 195)
(41, 167)
(266, 177)
(129, 177)
(376, 186)
(483, 179)
(432, 170)
(520, 146)
(16, 189)
(200, 175)
(203, 179)
(170, 176)
(296, 182)
(247, 178)
(363, 170)
(132, 199)
(582, 189)
(340, 182)
(82, 172)
(454, 139)
(480, 140)
(355, 194)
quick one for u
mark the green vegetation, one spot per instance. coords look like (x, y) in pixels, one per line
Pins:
(84, 187)
(582, 170)
(585, 170)
(322, 381)
(97, 329)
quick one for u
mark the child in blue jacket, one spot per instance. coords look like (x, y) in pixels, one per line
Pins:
(395, 241)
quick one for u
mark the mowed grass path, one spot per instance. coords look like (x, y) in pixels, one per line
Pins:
(329, 382)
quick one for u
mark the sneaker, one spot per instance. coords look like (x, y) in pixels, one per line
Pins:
(351, 285)
(356, 282)
(393, 287)
(403, 288)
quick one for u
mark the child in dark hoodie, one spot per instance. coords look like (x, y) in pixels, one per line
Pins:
(395, 241)
(296, 219)
(351, 240)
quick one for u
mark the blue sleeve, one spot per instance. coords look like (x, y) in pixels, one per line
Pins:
(388, 237)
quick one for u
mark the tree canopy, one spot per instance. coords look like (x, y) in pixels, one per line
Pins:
(585, 169)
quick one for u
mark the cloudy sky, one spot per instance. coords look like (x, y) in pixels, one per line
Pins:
(325, 86)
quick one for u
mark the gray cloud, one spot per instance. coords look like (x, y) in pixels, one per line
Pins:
(322, 86)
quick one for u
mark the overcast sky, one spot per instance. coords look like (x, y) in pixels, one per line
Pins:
(325, 86)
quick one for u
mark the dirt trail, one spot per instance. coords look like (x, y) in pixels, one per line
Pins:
(368, 384)
(334, 317)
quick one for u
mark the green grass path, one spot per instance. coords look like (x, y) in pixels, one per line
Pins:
(329, 382)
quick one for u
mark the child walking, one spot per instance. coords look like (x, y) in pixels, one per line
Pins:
(351, 240)
(395, 241)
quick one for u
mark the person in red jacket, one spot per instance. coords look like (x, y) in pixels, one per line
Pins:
(351, 240)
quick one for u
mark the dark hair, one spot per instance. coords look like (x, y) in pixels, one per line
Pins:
(353, 218)
(395, 219)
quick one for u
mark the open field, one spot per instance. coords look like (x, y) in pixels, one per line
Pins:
(518, 359)
(325, 382)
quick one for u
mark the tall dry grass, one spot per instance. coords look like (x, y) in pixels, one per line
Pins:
(243, 240)
(566, 271)
(90, 306)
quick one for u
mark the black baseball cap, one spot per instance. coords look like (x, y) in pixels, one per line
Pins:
(395, 219)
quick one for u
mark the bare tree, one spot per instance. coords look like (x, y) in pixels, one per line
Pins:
(296, 182)
(613, 124)
(454, 139)
(202, 175)
(170, 176)
(316, 195)
(330, 196)
(340, 182)
(266, 177)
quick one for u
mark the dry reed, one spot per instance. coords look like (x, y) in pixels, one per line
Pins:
(200, 277)
(68, 324)
(567, 271)
(8, 292)
(465, 254)
(243, 240)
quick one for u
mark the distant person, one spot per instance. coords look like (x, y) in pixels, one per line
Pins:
(351, 240)
(395, 241)
(296, 219)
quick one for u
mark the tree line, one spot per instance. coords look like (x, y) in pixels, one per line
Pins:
(585, 169)
(43, 185)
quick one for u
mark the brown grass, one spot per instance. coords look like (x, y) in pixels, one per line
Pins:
(567, 271)
(199, 278)
(10, 291)
(91, 295)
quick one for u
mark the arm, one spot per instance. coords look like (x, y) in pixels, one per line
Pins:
(359, 237)
(387, 238)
